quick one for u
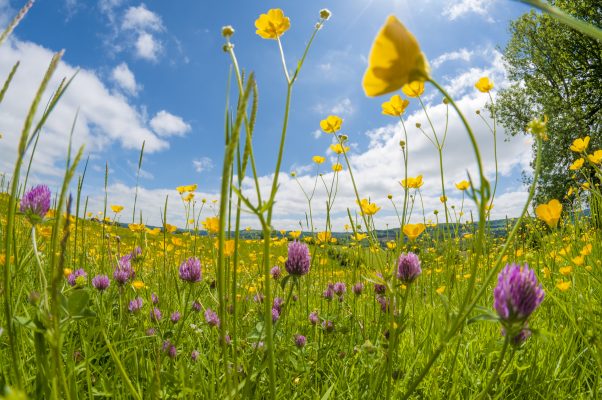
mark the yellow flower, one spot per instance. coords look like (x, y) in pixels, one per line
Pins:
(580, 145)
(211, 224)
(136, 228)
(484, 85)
(188, 198)
(391, 245)
(337, 167)
(563, 286)
(295, 234)
(566, 270)
(442, 199)
(578, 260)
(138, 284)
(440, 289)
(66, 272)
(462, 185)
(413, 89)
(154, 231)
(359, 237)
(549, 213)
(595, 158)
(577, 164)
(395, 59)
(228, 247)
(546, 272)
(191, 188)
(338, 148)
(170, 228)
(117, 209)
(368, 208)
(331, 124)
(273, 24)
(318, 159)
(181, 189)
(395, 106)
(412, 231)
(586, 250)
(412, 183)
(324, 237)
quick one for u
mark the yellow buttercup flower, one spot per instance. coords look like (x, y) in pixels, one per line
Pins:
(188, 198)
(295, 234)
(395, 59)
(359, 237)
(580, 145)
(391, 245)
(181, 189)
(324, 237)
(412, 183)
(595, 158)
(117, 209)
(412, 231)
(442, 199)
(66, 272)
(563, 286)
(549, 213)
(395, 106)
(211, 224)
(337, 167)
(413, 89)
(577, 164)
(484, 85)
(273, 24)
(318, 159)
(170, 228)
(368, 208)
(338, 148)
(440, 289)
(462, 185)
(136, 228)
(154, 231)
(331, 124)
(228, 247)
(138, 285)
(565, 270)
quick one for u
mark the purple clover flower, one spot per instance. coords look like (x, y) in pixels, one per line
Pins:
(358, 288)
(276, 272)
(378, 288)
(194, 356)
(155, 314)
(36, 203)
(123, 271)
(211, 318)
(275, 314)
(300, 341)
(175, 317)
(339, 288)
(136, 304)
(77, 278)
(190, 270)
(196, 306)
(299, 260)
(408, 267)
(517, 294)
(154, 298)
(313, 318)
(278, 302)
(101, 282)
(328, 293)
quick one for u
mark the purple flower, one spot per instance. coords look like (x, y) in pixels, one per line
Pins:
(358, 288)
(190, 270)
(136, 304)
(313, 318)
(258, 298)
(275, 314)
(384, 303)
(172, 351)
(408, 267)
(175, 317)
(194, 355)
(136, 254)
(378, 288)
(328, 293)
(123, 271)
(151, 332)
(298, 261)
(196, 306)
(155, 298)
(36, 203)
(155, 314)
(328, 326)
(517, 294)
(278, 302)
(101, 282)
(300, 341)
(276, 272)
(211, 318)
(78, 278)
(339, 288)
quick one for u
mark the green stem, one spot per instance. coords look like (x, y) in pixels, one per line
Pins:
(41, 269)
(496, 370)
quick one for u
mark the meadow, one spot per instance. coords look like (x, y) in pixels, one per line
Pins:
(96, 304)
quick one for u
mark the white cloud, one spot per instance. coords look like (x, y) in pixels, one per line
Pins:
(125, 78)
(461, 54)
(459, 9)
(341, 107)
(105, 119)
(166, 124)
(148, 47)
(202, 164)
(141, 19)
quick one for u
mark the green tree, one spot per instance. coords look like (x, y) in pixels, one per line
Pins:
(557, 72)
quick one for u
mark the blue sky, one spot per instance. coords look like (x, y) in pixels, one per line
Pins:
(155, 71)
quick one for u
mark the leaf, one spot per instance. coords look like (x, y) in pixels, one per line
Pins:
(328, 392)
(77, 302)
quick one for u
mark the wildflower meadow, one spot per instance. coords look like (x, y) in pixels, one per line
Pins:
(100, 303)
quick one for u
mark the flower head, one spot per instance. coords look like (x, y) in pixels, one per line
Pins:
(116, 208)
(368, 208)
(338, 148)
(577, 164)
(408, 267)
(413, 89)
(517, 294)
(136, 304)
(276, 272)
(462, 185)
(580, 145)
(325, 14)
(412, 231)
(190, 270)
(550, 212)
(273, 24)
(101, 282)
(300, 341)
(484, 85)
(331, 124)
(77, 278)
(412, 183)
(211, 318)
(318, 159)
(313, 318)
(299, 260)
(211, 224)
(36, 203)
(396, 106)
(395, 59)
(595, 158)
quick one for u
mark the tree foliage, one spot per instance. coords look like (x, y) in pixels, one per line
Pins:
(557, 72)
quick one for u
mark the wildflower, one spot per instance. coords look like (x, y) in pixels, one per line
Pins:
(325, 14)
(440, 289)
(227, 31)
(396, 106)
(298, 261)
(196, 306)
(154, 298)
(273, 24)
(337, 167)
(408, 267)
(339, 288)
(358, 288)
(550, 212)
(328, 326)
(395, 59)
(538, 127)
(116, 208)
(295, 234)
(338, 148)
(101, 282)
(66, 271)
(36, 203)
(412, 231)
(580, 145)
(275, 314)
(190, 270)
(565, 270)
(412, 183)
(155, 314)
(577, 164)
(484, 85)
(194, 355)
(211, 318)
(276, 272)
(318, 159)
(329, 292)
(442, 199)
(78, 278)
(379, 288)
(391, 245)
(368, 208)
(172, 351)
(595, 158)
(517, 294)
(277, 304)
(123, 271)
(462, 185)
(384, 303)
(331, 124)
(413, 89)
(211, 224)
(175, 317)
(313, 318)
(136, 304)
(170, 228)
(300, 341)
(563, 286)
